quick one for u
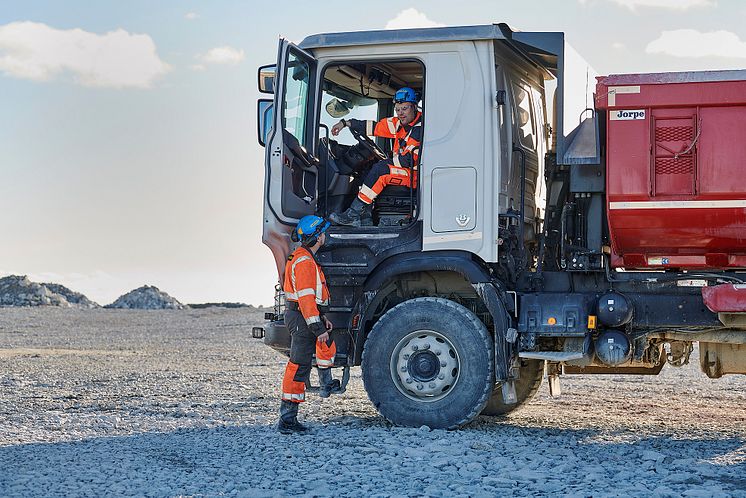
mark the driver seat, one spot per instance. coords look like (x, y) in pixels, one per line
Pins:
(394, 206)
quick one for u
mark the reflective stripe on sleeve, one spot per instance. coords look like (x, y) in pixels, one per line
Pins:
(398, 171)
(324, 363)
(313, 319)
(292, 268)
(305, 292)
(392, 125)
(370, 127)
(396, 160)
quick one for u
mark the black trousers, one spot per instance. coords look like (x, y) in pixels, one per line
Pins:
(302, 344)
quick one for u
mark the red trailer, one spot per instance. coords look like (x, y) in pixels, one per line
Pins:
(676, 168)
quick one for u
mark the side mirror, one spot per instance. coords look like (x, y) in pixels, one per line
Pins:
(264, 120)
(267, 78)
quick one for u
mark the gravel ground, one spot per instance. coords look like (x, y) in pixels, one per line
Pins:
(183, 402)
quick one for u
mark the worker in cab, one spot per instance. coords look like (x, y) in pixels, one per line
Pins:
(307, 298)
(405, 130)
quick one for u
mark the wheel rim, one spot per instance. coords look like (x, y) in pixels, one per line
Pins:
(425, 366)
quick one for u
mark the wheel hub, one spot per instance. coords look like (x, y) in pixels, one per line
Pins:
(425, 365)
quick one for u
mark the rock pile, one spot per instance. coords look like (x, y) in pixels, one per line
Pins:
(147, 297)
(18, 290)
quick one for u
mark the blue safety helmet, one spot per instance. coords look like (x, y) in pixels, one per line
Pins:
(308, 229)
(405, 94)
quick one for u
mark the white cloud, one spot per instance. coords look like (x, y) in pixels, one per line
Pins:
(692, 43)
(411, 18)
(197, 67)
(191, 16)
(663, 4)
(116, 59)
(618, 46)
(222, 55)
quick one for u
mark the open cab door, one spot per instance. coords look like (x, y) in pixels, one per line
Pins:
(291, 170)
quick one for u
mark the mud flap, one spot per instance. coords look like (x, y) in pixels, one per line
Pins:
(345, 379)
(504, 350)
(508, 391)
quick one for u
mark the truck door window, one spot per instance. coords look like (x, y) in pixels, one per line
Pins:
(295, 98)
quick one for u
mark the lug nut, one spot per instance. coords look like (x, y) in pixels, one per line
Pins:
(437, 352)
(403, 369)
(443, 363)
(432, 385)
(408, 381)
(426, 346)
(441, 376)
(419, 387)
(406, 356)
(415, 347)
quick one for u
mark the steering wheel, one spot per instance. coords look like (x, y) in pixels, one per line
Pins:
(369, 144)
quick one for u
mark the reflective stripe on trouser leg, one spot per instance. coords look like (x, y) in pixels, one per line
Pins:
(366, 194)
(325, 354)
(293, 383)
(380, 175)
(395, 176)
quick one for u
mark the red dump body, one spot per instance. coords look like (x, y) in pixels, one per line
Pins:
(676, 168)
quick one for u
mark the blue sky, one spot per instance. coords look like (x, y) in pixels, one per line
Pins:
(127, 133)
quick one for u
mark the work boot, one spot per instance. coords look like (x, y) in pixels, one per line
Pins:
(358, 214)
(288, 423)
(327, 384)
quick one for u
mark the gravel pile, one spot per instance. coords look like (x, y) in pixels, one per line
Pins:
(18, 290)
(147, 297)
(126, 402)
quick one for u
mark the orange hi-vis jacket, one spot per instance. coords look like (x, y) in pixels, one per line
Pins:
(407, 139)
(305, 284)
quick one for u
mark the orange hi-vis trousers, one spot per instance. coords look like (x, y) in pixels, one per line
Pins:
(382, 174)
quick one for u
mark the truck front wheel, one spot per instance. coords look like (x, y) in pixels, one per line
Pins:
(528, 383)
(428, 361)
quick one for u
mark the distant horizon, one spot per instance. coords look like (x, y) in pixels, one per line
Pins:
(99, 302)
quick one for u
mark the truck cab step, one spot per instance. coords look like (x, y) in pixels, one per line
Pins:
(551, 355)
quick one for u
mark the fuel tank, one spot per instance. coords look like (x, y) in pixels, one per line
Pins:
(676, 168)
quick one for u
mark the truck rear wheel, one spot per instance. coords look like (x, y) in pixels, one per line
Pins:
(428, 361)
(526, 387)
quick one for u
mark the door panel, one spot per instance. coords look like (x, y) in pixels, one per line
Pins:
(292, 171)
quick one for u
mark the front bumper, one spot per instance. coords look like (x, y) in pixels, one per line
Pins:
(277, 336)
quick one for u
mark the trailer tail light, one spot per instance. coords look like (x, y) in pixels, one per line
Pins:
(591, 322)
(355, 321)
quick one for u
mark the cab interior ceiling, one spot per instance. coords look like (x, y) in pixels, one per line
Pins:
(376, 81)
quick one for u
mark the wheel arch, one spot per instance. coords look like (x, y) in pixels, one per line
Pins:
(474, 272)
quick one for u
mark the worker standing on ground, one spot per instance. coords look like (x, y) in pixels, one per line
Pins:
(406, 131)
(307, 299)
